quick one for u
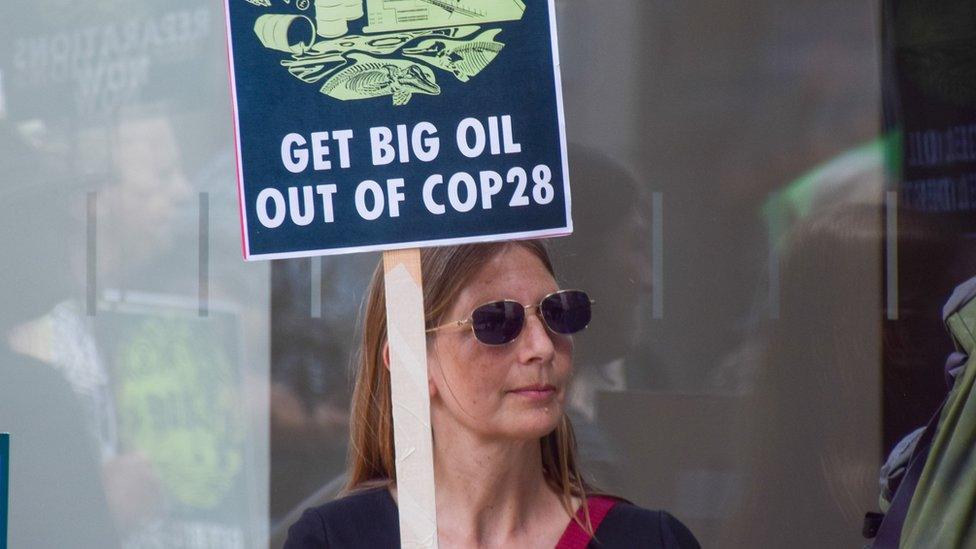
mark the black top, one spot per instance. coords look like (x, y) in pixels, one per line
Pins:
(370, 519)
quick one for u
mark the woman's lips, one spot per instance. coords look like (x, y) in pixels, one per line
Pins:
(535, 392)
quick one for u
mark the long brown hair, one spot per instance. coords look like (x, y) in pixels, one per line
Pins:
(446, 271)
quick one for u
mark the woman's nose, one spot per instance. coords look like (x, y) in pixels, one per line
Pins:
(535, 342)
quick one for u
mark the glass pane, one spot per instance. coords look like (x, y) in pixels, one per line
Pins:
(727, 176)
(767, 262)
(134, 365)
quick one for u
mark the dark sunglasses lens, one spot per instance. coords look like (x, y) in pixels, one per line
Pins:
(566, 312)
(497, 323)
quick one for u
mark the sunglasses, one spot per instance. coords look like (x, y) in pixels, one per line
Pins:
(500, 322)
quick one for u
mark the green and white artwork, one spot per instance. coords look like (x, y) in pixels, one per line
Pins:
(404, 45)
(369, 77)
(397, 15)
(464, 58)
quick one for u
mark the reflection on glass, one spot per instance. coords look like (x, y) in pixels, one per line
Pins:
(136, 409)
(732, 373)
(810, 439)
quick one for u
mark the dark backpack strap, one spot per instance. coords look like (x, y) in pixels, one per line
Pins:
(889, 534)
(575, 537)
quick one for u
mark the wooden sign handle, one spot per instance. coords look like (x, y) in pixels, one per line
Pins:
(411, 400)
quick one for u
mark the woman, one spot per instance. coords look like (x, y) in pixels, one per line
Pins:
(499, 360)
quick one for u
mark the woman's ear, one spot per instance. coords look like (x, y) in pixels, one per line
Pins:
(431, 364)
(431, 387)
(386, 354)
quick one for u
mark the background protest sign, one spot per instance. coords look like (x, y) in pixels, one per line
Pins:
(385, 124)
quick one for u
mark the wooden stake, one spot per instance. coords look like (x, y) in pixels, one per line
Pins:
(411, 400)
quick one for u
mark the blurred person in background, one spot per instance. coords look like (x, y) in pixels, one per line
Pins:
(813, 416)
(57, 498)
(612, 227)
(811, 444)
(157, 461)
(312, 364)
(610, 251)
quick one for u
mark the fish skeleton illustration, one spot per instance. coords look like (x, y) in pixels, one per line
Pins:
(463, 58)
(371, 77)
(326, 57)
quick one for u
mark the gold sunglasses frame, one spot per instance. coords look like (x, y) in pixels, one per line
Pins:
(470, 320)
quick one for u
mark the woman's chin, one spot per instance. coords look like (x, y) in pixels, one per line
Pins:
(534, 428)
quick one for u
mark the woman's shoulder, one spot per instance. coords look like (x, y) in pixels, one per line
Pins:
(371, 501)
(629, 525)
(368, 518)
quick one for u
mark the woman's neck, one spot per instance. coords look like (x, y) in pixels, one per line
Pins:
(490, 493)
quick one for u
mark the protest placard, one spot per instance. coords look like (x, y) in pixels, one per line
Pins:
(396, 124)
(365, 125)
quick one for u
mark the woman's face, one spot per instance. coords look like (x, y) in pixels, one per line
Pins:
(492, 391)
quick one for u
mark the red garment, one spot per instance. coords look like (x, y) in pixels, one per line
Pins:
(575, 537)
